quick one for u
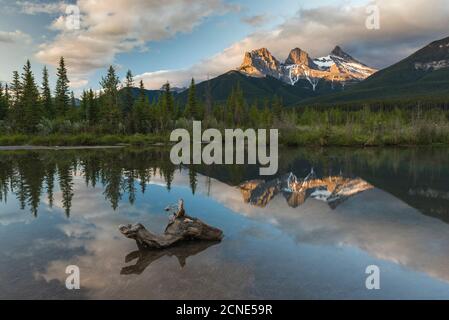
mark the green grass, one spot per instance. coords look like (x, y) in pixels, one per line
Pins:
(358, 136)
(84, 139)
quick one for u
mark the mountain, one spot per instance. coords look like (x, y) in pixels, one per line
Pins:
(261, 76)
(254, 88)
(425, 73)
(338, 68)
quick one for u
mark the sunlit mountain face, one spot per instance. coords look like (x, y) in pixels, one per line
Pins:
(295, 235)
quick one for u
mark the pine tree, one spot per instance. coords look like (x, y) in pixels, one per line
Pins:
(84, 105)
(128, 99)
(191, 111)
(92, 108)
(62, 99)
(141, 112)
(110, 109)
(47, 103)
(16, 88)
(29, 112)
(167, 107)
(3, 105)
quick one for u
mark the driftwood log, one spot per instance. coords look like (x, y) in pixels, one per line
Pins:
(180, 228)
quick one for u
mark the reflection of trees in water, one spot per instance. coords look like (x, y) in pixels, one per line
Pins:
(410, 174)
(28, 174)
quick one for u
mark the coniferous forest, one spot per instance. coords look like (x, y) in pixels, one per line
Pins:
(31, 112)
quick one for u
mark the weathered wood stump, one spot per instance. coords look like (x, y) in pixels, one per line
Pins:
(181, 228)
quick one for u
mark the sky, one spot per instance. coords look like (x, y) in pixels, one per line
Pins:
(175, 40)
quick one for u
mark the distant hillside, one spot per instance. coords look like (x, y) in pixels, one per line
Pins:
(257, 88)
(423, 74)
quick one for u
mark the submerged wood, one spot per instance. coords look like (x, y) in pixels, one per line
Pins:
(181, 228)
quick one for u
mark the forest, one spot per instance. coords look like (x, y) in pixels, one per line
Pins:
(121, 112)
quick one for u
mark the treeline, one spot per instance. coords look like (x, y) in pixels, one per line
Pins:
(26, 108)
(122, 110)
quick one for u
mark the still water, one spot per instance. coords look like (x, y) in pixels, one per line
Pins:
(308, 233)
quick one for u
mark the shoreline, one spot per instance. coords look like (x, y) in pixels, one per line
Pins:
(28, 147)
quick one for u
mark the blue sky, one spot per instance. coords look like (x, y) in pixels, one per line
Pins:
(175, 40)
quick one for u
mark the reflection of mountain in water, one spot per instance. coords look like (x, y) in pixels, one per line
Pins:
(332, 189)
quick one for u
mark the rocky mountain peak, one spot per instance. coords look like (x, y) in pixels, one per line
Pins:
(298, 56)
(338, 52)
(338, 67)
(260, 63)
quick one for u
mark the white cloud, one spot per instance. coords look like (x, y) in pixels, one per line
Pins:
(32, 8)
(257, 20)
(404, 28)
(112, 27)
(14, 37)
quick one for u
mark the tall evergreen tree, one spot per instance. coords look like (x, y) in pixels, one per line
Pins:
(62, 99)
(141, 112)
(110, 110)
(3, 104)
(191, 111)
(47, 103)
(167, 106)
(128, 100)
(29, 112)
(92, 108)
(16, 88)
(84, 105)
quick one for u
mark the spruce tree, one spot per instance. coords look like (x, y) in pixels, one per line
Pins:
(92, 108)
(128, 100)
(84, 105)
(3, 105)
(47, 103)
(167, 107)
(141, 112)
(110, 109)
(29, 111)
(16, 88)
(191, 111)
(62, 99)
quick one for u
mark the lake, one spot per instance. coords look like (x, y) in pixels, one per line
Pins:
(310, 232)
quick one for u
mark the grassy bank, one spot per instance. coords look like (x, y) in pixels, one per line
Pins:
(301, 136)
(80, 140)
(358, 136)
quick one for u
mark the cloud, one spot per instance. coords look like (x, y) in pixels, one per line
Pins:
(404, 28)
(257, 20)
(32, 8)
(108, 28)
(14, 37)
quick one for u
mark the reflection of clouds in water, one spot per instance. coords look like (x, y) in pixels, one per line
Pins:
(94, 225)
(373, 221)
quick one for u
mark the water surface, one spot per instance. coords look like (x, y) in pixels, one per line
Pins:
(63, 207)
